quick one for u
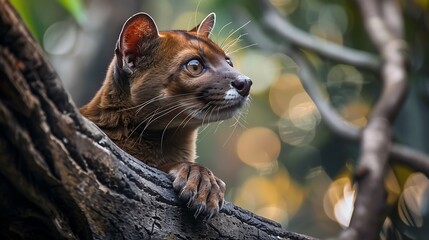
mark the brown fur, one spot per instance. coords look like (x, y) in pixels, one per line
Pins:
(151, 106)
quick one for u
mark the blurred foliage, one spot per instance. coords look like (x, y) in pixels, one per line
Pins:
(75, 8)
(278, 158)
(29, 11)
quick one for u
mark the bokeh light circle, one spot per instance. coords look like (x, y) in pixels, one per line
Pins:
(261, 67)
(412, 200)
(338, 201)
(259, 147)
(60, 38)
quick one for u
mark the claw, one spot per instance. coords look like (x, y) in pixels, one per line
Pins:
(200, 209)
(211, 214)
(190, 202)
(199, 189)
(181, 193)
(221, 203)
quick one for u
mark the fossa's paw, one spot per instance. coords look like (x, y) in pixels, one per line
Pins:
(197, 186)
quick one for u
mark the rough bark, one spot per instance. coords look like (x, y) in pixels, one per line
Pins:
(62, 178)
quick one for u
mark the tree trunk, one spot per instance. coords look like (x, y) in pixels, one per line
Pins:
(62, 178)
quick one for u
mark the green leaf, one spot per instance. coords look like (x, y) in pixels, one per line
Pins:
(75, 8)
(26, 14)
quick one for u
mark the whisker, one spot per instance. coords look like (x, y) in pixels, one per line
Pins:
(188, 118)
(218, 34)
(230, 45)
(156, 98)
(151, 116)
(229, 138)
(238, 118)
(207, 114)
(224, 26)
(192, 115)
(135, 129)
(195, 14)
(208, 121)
(232, 33)
(217, 126)
(166, 127)
(251, 45)
(138, 140)
(169, 110)
(233, 42)
(144, 103)
(169, 97)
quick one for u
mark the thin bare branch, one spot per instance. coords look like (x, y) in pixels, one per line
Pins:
(389, 10)
(273, 22)
(384, 25)
(410, 158)
(398, 153)
(329, 115)
(376, 136)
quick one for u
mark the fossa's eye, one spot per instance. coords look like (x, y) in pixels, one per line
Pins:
(195, 67)
(229, 62)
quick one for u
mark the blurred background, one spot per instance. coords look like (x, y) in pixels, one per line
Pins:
(278, 158)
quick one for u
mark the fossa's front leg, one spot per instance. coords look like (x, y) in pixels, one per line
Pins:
(198, 187)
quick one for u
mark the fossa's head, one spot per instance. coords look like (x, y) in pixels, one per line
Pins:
(176, 77)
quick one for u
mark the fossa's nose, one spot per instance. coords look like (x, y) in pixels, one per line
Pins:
(242, 85)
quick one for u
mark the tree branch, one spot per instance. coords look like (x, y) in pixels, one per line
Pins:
(410, 158)
(384, 25)
(62, 178)
(398, 153)
(376, 137)
(329, 114)
(266, 15)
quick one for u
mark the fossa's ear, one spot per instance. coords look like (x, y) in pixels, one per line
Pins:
(206, 26)
(137, 30)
